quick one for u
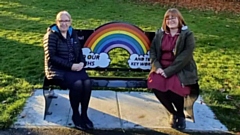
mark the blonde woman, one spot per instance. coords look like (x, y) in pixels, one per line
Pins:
(64, 61)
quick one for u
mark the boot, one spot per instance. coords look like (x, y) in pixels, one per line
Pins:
(78, 122)
(172, 120)
(87, 122)
(181, 123)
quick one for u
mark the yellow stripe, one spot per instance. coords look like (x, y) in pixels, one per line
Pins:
(119, 32)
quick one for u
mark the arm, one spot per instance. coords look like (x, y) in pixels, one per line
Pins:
(81, 58)
(183, 58)
(153, 55)
(50, 48)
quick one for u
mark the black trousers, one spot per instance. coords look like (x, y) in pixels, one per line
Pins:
(79, 85)
(170, 100)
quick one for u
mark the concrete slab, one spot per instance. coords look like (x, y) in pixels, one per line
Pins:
(145, 110)
(113, 110)
(103, 110)
(205, 120)
(141, 110)
(33, 112)
(60, 109)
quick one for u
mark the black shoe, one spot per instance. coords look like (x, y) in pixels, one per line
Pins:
(181, 123)
(172, 120)
(78, 122)
(87, 122)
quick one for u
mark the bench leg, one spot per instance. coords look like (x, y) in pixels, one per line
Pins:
(52, 94)
(48, 96)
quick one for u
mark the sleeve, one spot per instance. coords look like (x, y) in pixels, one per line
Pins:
(81, 57)
(155, 64)
(183, 58)
(50, 48)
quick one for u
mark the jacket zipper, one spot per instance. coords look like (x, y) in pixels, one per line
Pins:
(175, 48)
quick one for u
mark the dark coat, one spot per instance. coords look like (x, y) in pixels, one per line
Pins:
(57, 52)
(183, 65)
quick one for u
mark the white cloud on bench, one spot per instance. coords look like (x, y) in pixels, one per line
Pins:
(96, 60)
(139, 61)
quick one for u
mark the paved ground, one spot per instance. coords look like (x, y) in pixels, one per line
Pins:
(109, 110)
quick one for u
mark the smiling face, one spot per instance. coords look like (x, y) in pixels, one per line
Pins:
(63, 21)
(172, 20)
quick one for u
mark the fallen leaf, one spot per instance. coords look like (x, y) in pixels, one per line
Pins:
(228, 97)
(222, 90)
(4, 101)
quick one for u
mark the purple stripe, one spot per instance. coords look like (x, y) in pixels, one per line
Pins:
(118, 46)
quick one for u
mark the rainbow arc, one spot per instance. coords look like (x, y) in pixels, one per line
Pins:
(122, 35)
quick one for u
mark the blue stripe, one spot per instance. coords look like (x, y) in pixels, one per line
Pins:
(119, 37)
(106, 45)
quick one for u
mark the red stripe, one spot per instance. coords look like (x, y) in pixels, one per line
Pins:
(117, 26)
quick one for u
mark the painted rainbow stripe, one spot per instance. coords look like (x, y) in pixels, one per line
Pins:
(122, 35)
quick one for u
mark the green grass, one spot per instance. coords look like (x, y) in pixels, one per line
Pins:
(24, 22)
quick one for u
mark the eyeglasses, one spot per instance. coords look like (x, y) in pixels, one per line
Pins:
(61, 21)
(172, 18)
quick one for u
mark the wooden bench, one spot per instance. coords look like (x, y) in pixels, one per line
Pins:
(97, 43)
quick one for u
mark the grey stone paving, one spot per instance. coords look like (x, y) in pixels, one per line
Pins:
(113, 110)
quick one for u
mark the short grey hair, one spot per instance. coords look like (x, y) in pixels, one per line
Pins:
(63, 13)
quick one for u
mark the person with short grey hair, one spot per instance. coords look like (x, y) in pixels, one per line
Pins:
(65, 62)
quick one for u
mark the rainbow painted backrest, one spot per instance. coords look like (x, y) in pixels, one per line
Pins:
(97, 43)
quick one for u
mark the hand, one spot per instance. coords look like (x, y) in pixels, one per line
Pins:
(163, 74)
(81, 64)
(160, 71)
(76, 67)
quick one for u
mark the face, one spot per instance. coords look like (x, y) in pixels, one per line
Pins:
(172, 22)
(63, 23)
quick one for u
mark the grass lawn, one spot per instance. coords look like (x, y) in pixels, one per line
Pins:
(24, 22)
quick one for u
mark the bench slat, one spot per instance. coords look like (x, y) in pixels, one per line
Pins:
(117, 69)
(118, 78)
(119, 83)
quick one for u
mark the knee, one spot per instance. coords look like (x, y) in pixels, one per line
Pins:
(78, 84)
(87, 84)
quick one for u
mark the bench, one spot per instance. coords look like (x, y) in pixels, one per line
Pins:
(97, 45)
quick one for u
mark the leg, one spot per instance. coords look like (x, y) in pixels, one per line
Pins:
(85, 102)
(178, 102)
(74, 95)
(163, 97)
